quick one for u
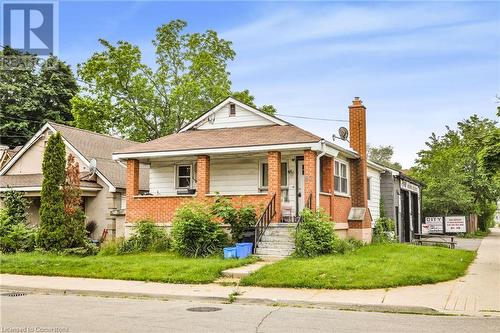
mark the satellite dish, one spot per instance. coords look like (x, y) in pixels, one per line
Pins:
(343, 133)
(92, 167)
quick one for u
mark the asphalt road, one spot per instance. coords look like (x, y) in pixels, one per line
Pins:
(58, 313)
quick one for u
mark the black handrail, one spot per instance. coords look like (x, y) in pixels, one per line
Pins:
(264, 220)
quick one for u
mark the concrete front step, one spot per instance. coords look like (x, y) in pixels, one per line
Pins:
(275, 238)
(276, 245)
(274, 252)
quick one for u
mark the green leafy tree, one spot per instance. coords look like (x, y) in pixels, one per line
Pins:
(123, 95)
(32, 93)
(16, 206)
(52, 233)
(244, 96)
(383, 155)
(458, 179)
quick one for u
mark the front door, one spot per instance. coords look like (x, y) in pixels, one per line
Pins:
(300, 186)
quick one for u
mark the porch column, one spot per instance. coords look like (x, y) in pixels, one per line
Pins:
(274, 180)
(132, 178)
(203, 175)
(310, 177)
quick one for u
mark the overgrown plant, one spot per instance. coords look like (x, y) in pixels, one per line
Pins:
(15, 236)
(239, 220)
(16, 206)
(384, 231)
(316, 235)
(194, 232)
(146, 238)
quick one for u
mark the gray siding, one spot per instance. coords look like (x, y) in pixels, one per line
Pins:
(387, 192)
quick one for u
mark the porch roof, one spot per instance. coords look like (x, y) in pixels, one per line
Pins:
(34, 181)
(224, 138)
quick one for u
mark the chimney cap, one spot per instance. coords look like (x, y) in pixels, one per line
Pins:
(357, 101)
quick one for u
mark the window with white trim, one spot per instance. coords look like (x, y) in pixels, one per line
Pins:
(184, 176)
(264, 173)
(341, 177)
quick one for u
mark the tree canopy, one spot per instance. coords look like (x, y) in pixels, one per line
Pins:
(383, 155)
(460, 169)
(124, 95)
(32, 91)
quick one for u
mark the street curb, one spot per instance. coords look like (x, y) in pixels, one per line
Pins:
(237, 300)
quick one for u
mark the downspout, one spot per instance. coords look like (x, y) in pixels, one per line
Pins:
(318, 166)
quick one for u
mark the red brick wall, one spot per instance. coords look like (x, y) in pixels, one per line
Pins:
(202, 176)
(132, 178)
(325, 202)
(310, 176)
(327, 172)
(341, 208)
(162, 209)
(274, 180)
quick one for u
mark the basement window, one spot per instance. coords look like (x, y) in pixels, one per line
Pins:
(341, 178)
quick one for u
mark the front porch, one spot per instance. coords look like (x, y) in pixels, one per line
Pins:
(295, 178)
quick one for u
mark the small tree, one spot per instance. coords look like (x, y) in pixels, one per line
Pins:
(75, 217)
(52, 234)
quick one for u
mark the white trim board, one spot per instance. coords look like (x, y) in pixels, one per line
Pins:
(207, 114)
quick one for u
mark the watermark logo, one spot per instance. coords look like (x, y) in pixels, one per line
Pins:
(30, 26)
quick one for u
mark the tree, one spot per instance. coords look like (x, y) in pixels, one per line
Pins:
(244, 96)
(458, 179)
(383, 155)
(52, 233)
(124, 96)
(75, 218)
(32, 92)
(16, 206)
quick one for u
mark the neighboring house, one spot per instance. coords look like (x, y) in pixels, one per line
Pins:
(6, 154)
(240, 152)
(103, 187)
(402, 197)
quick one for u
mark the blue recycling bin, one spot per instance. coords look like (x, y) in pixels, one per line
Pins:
(230, 252)
(243, 250)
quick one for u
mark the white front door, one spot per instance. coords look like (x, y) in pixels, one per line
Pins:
(300, 186)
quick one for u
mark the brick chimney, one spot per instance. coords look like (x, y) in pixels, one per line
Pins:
(357, 130)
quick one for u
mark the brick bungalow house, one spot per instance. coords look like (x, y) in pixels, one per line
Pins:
(240, 152)
(103, 187)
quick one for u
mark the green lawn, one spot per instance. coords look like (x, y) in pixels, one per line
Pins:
(374, 266)
(160, 267)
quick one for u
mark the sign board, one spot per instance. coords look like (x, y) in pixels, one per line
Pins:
(435, 224)
(405, 185)
(455, 224)
(425, 229)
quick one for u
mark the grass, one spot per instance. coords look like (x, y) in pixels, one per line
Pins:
(373, 266)
(158, 267)
(476, 234)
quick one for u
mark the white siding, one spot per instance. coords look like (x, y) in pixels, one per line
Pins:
(374, 202)
(234, 176)
(161, 179)
(243, 118)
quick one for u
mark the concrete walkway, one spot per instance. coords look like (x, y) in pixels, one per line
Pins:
(477, 293)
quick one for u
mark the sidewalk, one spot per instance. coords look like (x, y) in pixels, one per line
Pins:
(477, 293)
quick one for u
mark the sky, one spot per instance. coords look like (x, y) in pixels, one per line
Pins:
(417, 66)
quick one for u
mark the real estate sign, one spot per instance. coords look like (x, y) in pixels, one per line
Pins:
(435, 224)
(455, 224)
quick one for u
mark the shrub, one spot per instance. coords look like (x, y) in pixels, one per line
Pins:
(15, 237)
(87, 249)
(343, 246)
(315, 236)
(147, 237)
(194, 232)
(238, 220)
(111, 247)
(16, 206)
(384, 231)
